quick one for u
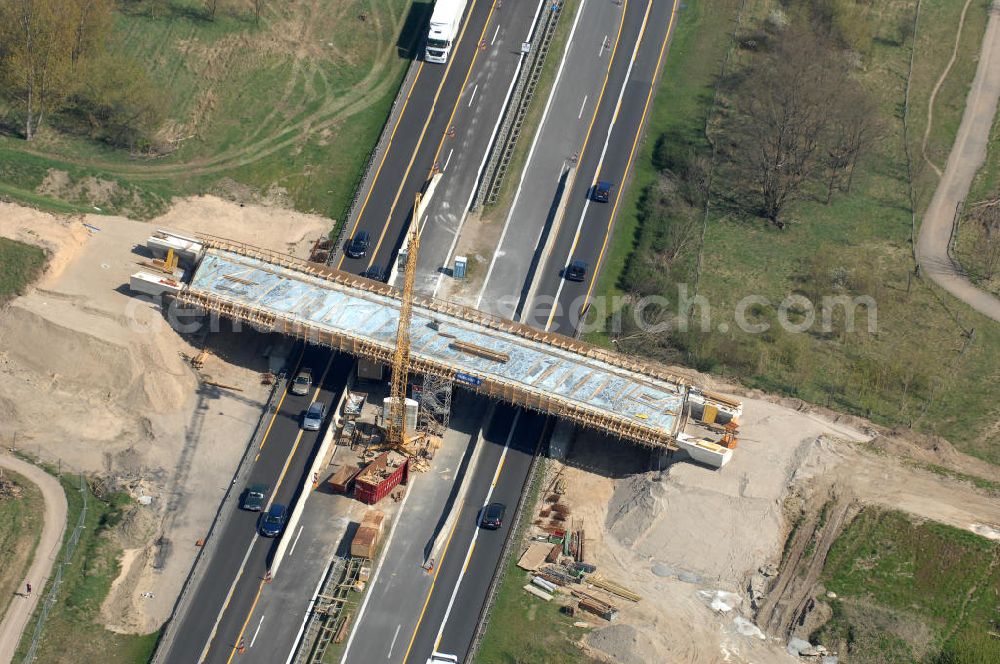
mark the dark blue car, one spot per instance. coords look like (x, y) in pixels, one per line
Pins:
(273, 521)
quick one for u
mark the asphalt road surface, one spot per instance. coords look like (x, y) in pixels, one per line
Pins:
(211, 629)
(451, 614)
(610, 148)
(432, 107)
(462, 158)
(579, 84)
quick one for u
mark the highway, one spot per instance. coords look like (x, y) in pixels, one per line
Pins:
(450, 617)
(607, 155)
(579, 83)
(233, 580)
(432, 118)
(451, 612)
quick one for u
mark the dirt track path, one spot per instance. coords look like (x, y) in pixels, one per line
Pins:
(967, 155)
(54, 526)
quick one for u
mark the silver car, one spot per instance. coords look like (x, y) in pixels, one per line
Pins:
(313, 417)
(303, 381)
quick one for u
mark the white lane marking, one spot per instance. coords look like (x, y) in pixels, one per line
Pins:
(475, 533)
(229, 596)
(448, 160)
(371, 582)
(256, 631)
(486, 155)
(604, 45)
(308, 612)
(582, 106)
(495, 36)
(531, 151)
(600, 162)
(393, 644)
(474, 91)
(297, 536)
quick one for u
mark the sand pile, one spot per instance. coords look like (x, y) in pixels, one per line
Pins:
(96, 378)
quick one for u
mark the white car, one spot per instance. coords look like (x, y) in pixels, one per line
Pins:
(441, 658)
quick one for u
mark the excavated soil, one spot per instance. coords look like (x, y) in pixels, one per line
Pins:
(95, 379)
(691, 540)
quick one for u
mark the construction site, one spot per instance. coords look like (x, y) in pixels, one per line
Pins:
(546, 372)
(690, 540)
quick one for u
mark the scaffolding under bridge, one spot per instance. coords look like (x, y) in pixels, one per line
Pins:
(639, 401)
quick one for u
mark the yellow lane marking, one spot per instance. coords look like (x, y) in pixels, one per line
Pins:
(423, 131)
(281, 478)
(277, 410)
(590, 126)
(430, 591)
(388, 148)
(628, 164)
(232, 653)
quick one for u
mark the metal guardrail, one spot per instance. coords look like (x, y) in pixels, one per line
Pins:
(50, 598)
(366, 182)
(501, 570)
(524, 92)
(223, 514)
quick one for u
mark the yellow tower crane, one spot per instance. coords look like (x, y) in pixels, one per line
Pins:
(396, 426)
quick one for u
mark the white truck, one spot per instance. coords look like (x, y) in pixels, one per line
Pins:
(446, 21)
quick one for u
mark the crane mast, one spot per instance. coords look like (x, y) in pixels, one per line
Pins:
(396, 426)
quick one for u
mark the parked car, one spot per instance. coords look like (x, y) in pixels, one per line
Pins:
(602, 191)
(359, 245)
(254, 497)
(312, 419)
(303, 381)
(576, 271)
(375, 272)
(493, 516)
(273, 521)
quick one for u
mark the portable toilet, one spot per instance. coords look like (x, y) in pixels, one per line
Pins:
(461, 264)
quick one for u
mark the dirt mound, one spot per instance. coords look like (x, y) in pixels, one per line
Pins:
(79, 365)
(624, 643)
(634, 508)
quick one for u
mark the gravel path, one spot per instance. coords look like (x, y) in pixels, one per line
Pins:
(21, 609)
(967, 156)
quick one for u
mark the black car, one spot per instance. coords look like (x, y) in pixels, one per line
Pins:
(359, 245)
(375, 273)
(273, 522)
(493, 516)
(602, 191)
(254, 497)
(576, 271)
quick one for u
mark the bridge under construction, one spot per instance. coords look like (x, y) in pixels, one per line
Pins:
(547, 372)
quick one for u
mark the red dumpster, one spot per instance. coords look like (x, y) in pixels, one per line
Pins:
(381, 476)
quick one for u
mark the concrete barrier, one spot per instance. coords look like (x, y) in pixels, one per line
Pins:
(319, 461)
(463, 490)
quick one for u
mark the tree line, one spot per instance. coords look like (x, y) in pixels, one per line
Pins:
(55, 61)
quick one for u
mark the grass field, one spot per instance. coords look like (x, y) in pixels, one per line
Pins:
(73, 625)
(858, 245)
(20, 264)
(909, 592)
(285, 112)
(20, 527)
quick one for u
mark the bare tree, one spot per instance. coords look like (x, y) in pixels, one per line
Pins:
(783, 117)
(986, 217)
(258, 7)
(853, 125)
(91, 22)
(211, 6)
